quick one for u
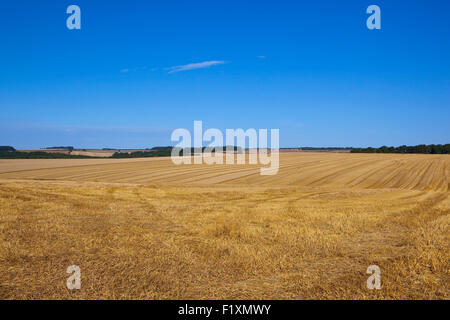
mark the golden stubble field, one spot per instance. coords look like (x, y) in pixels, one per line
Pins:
(147, 229)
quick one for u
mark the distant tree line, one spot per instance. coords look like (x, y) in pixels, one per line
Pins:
(326, 148)
(69, 148)
(422, 148)
(140, 154)
(38, 155)
(154, 152)
(211, 149)
(8, 152)
(6, 149)
(167, 152)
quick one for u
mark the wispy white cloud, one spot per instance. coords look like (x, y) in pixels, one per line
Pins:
(261, 57)
(190, 66)
(126, 70)
(198, 65)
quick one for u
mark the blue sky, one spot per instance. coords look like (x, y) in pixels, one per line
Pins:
(139, 69)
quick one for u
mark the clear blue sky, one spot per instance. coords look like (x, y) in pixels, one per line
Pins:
(310, 68)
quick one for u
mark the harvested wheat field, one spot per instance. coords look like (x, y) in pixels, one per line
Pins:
(148, 229)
